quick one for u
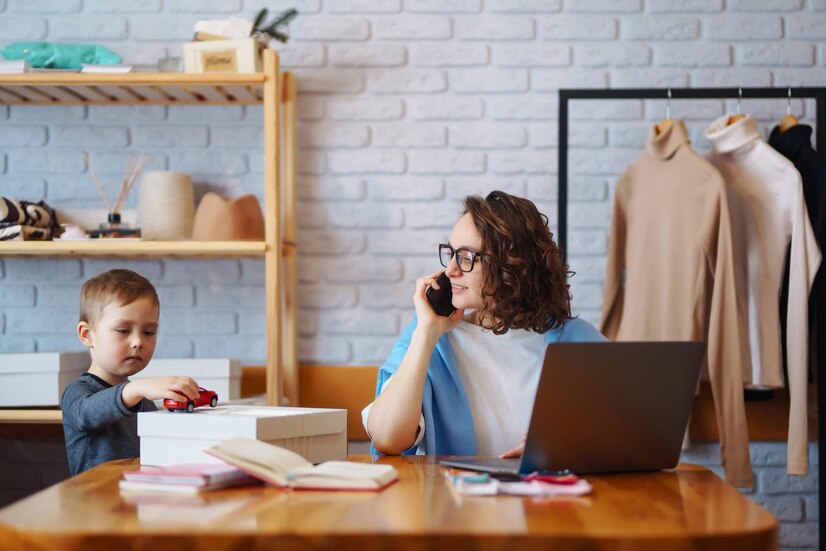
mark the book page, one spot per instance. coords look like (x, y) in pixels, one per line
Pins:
(342, 475)
(271, 463)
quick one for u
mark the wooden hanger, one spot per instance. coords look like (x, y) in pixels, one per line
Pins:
(739, 116)
(734, 118)
(787, 122)
(664, 124)
(788, 119)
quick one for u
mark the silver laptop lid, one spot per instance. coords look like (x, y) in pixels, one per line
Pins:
(612, 407)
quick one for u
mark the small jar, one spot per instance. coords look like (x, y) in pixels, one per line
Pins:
(113, 222)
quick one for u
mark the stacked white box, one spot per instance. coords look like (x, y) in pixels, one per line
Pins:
(218, 374)
(38, 378)
(169, 438)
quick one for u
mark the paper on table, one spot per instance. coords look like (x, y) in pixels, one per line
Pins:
(530, 488)
(537, 488)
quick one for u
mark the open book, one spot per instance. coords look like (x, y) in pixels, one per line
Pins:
(285, 468)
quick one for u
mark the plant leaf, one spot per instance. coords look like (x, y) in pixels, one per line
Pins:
(281, 37)
(259, 18)
(284, 18)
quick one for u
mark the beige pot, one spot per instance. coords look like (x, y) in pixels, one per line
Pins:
(166, 206)
(219, 219)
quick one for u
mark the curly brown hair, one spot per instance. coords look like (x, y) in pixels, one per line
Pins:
(524, 275)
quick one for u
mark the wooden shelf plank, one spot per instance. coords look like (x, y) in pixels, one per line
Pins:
(126, 89)
(125, 79)
(31, 416)
(128, 248)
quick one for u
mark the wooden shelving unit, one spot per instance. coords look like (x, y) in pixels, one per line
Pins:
(134, 249)
(274, 90)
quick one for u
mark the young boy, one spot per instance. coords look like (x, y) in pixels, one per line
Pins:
(119, 312)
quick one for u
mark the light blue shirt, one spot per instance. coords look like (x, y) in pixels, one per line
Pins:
(448, 421)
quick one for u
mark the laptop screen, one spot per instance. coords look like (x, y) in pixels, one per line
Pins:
(608, 407)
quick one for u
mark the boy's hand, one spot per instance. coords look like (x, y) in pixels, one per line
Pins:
(159, 388)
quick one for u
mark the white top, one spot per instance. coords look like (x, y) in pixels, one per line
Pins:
(500, 375)
(768, 215)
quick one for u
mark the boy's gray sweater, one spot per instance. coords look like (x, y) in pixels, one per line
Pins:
(96, 424)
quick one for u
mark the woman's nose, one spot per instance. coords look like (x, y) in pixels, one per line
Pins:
(452, 269)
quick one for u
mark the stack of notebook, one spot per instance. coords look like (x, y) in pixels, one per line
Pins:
(188, 478)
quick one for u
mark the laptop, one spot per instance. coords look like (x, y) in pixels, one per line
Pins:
(606, 407)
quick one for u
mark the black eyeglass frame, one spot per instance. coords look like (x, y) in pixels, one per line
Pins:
(473, 256)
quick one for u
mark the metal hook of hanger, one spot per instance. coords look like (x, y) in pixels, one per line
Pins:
(739, 98)
(668, 106)
(789, 102)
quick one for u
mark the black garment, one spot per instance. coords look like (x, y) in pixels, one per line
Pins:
(796, 145)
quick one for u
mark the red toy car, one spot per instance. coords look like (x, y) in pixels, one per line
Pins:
(206, 397)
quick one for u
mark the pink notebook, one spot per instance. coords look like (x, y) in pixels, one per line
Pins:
(201, 475)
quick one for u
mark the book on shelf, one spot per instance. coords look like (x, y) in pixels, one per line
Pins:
(187, 478)
(284, 468)
(52, 70)
(114, 68)
(14, 66)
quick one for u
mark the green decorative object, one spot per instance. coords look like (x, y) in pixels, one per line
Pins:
(272, 29)
(49, 55)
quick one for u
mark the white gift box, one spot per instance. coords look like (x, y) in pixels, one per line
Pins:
(218, 374)
(168, 438)
(39, 378)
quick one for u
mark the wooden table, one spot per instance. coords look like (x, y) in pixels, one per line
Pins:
(688, 508)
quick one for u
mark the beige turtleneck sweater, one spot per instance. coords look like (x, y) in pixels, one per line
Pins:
(768, 214)
(670, 273)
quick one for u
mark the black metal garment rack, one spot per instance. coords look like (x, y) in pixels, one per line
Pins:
(816, 93)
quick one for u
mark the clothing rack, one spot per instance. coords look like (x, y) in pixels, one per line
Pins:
(816, 93)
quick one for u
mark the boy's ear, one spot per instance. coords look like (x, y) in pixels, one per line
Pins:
(84, 333)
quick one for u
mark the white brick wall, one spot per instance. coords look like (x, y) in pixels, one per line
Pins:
(405, 106)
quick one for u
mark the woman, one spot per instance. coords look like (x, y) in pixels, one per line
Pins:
(465, 384)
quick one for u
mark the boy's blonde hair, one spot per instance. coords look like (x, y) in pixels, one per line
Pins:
(124, 286)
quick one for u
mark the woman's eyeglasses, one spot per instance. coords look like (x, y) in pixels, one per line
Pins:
(465, 258)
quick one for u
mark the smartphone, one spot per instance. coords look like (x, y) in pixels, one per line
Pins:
(441, 299)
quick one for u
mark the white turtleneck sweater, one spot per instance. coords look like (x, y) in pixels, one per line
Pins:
(768, 214)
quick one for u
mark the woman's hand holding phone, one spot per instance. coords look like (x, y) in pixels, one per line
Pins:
(424, 310)
(440, 296)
